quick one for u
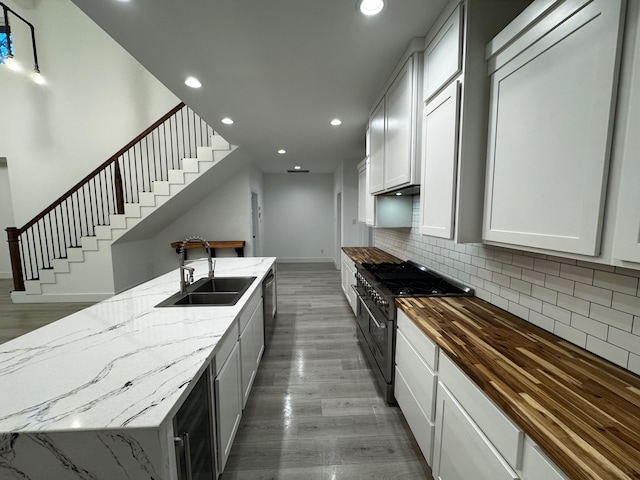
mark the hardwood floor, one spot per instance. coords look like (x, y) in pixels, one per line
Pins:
(19, 318)
(314, 411)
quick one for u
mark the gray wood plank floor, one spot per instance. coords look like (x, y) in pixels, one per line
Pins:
(314, 411)
(19, 318)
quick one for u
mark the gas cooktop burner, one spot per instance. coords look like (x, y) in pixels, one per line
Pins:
(408, 280)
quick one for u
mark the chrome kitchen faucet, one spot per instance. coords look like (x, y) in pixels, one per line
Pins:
(184, 283)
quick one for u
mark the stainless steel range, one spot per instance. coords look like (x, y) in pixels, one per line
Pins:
(376, 286)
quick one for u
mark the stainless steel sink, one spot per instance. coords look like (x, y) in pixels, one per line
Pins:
(223, 284)
(222, 292)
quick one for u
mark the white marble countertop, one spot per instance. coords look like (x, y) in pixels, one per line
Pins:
(118, 364)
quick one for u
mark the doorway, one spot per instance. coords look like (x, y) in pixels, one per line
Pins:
(338, 229)
(255, 225)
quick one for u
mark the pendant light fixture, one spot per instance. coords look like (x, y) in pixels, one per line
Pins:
(9, 59)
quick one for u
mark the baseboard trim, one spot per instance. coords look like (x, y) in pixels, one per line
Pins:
(305, 260)
(22, 297)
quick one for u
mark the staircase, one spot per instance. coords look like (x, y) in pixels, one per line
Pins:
(70, 241)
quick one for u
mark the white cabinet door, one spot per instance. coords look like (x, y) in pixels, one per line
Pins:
(251, 346)
(443, 56)
(439, 161)
(536, 465)
(377, 127)
(550, 130)
(461, 450)
(627, 230)
(228, 404)
(399, 135)
(362, 191)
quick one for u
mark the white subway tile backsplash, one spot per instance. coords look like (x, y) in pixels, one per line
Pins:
(512, 271)
(593, 305)
(634, 363)
(521, 286)
(509, 294)
(570, 334)
(562, 285)
(531, 303)
(606, 350)
(615, 318)
(500, 302)
(545, 266)
(544, 294)
(616, 282)
(537, 278)
(625, 340)
(501, 279)
(590, 326)
(541, 321)
(557, 313)
(574, 304)
(593, 294)
(626, 303)
(523, 262)
(578, 274)
(518, 310)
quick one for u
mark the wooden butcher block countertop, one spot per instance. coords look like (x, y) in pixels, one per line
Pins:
(583, 411)
(369, 255)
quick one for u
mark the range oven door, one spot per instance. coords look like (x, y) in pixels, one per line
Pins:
(376, 330)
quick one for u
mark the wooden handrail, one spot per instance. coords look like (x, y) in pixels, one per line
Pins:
(112, 159)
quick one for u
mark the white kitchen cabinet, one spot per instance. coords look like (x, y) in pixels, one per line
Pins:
(627, 227)
(415, 383)
(393, 128)
(454, 120)
(348, 272)
(461, 450)
(251, 343)
(400, 133)
(443, 55)
(440, 125)
(228, 401)
(366, 201)
(553, 90)
(377, 127)
(537, 466)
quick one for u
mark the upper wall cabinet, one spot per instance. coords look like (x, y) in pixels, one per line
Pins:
(626, 246)
(443, 56)
(392, 130)
(554, 77)
(454, 120)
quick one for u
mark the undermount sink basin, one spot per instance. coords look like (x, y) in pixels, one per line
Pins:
(210, 292)
(223, 284)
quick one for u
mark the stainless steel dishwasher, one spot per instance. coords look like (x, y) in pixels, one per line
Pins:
(269, 303)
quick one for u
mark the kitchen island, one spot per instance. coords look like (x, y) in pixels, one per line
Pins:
(93, 395)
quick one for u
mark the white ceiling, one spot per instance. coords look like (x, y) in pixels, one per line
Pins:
(282, 69)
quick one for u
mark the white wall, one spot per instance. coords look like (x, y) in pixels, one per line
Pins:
(6, 219)
(298, 217)
(96, 99)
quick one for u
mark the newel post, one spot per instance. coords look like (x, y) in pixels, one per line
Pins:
(117, 183)
(13, 238)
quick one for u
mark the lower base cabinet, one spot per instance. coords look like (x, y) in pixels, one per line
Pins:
(228, 395)
(461, 449)
(537, 466)
(348, 272)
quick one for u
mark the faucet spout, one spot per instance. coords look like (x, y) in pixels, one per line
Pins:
(183, 283)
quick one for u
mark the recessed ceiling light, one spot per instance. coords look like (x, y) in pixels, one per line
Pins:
(192, 82)
(398, 194)
(297, 167)
(227, 121)
(370, 7)
(282, 151)
(336, 121)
